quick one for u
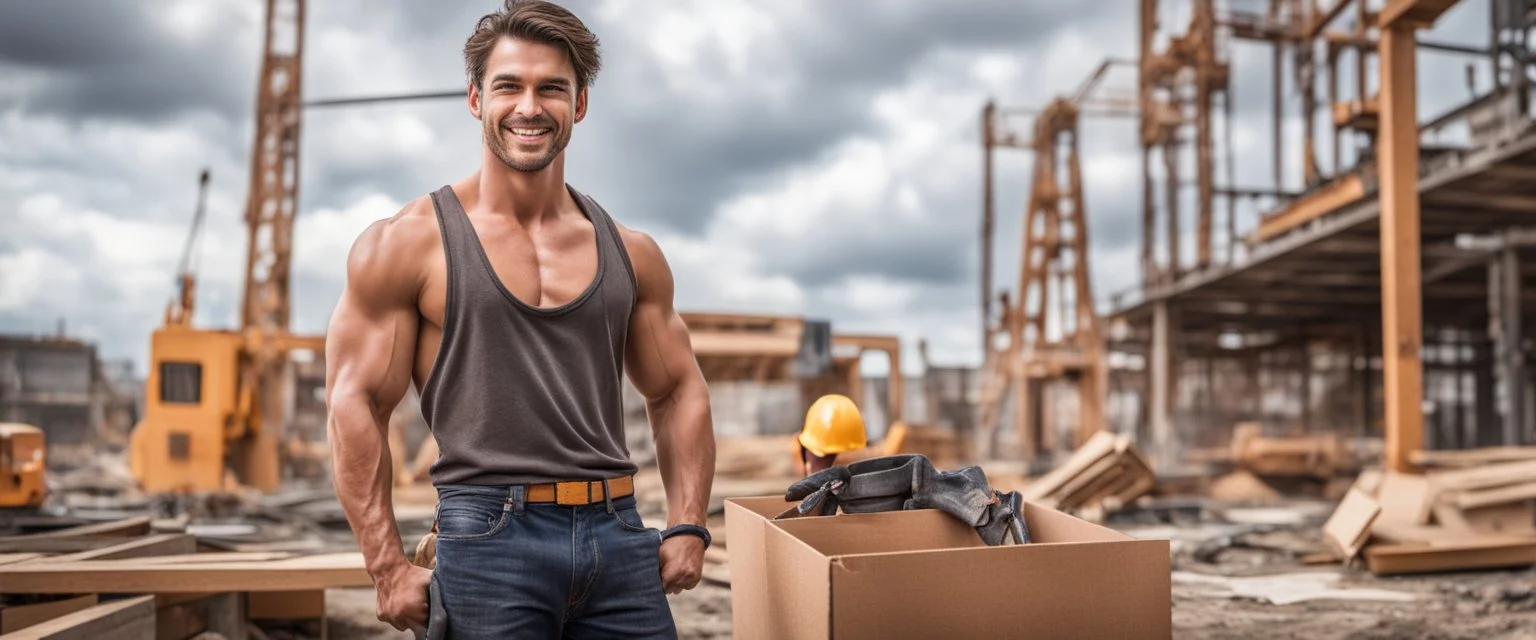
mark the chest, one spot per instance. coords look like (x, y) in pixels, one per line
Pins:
(543, 267)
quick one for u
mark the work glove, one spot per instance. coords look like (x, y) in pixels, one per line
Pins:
(817, 493)
(1005, 515)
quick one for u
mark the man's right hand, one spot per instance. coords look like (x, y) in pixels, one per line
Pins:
(403, 598)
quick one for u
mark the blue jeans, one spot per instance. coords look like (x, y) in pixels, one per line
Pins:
(510, 569)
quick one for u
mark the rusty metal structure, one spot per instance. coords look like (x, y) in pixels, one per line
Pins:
(1052, 329)
(1378, 298)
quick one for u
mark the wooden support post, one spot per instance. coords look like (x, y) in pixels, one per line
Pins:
(1401, 310)
(1162, 374)
(1504, 307)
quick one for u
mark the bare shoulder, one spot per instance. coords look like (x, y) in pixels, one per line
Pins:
(388, 259)
(651, 268)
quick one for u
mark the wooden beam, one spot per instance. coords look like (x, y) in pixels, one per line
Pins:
(1329, 198)
(129, 619)
(136, 526)
(1323, 18)
(131, 576)
(1412, 14)
(1402, 370)
(14, 618)
(164, 544)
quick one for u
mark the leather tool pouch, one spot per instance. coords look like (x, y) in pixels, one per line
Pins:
(910, 481)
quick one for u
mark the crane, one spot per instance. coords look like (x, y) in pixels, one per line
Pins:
(1051, 327)
(216, 400)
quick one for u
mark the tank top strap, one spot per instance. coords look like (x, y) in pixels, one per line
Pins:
(611, 243)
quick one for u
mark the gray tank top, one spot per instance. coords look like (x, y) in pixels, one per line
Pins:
(524, 394)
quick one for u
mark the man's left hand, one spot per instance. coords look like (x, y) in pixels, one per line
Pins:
(682, 563)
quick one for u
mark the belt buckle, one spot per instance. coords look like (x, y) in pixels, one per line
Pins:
(572, 494)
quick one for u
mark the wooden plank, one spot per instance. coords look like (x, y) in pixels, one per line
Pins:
(1473, 457)
(155, 545)
(1490, 497)
(1327, 199)
(127, 576)
(1347, 530)
(1100, 445)
(57, 545)
(8, 558)
(18, 617)
(1407, 14)
(126, 619)
(1490, 553)
(289, 605)
(125, 527)
(1402, 498)
(1401, 295)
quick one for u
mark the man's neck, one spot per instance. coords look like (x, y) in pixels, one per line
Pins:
(526, 196)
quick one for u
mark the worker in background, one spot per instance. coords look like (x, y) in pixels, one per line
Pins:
(833, 425)
(515, 304)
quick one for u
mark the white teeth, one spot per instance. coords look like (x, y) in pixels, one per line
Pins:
(529, 132)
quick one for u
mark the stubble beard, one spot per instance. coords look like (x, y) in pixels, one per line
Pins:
(494, 139)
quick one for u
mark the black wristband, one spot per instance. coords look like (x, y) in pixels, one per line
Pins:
(691, 529)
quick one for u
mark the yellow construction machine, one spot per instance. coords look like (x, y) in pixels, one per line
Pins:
(23, 458)
(217, 400)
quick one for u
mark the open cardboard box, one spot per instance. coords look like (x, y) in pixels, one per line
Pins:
(925, 574)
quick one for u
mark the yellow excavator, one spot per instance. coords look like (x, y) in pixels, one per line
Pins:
(23, 458)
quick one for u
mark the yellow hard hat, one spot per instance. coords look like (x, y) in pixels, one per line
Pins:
(833, 425)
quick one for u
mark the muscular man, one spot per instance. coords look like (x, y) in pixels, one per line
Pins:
(515, 304)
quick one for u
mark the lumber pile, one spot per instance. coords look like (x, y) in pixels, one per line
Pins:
(1321, 455)
(1104, 474)
(1464, 458)
(1450, 519)
(129, 579)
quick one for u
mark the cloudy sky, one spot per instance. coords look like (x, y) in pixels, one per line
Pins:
(817, 158)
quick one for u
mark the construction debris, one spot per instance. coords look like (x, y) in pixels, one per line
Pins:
(70, 583)
(1475, 518)
(1105, 474)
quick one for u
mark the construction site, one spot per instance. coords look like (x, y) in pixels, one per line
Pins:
(1311, 417)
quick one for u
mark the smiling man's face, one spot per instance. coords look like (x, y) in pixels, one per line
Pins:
(528, 102)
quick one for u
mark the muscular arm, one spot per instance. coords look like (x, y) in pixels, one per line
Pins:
(662, 366)
(369, 349)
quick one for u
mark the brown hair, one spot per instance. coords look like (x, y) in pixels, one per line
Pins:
(534, 21)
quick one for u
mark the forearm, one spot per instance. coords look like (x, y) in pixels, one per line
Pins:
(685, 450)
(362, 473)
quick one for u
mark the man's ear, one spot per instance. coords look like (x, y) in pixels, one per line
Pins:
(474, 100)
(581, 104)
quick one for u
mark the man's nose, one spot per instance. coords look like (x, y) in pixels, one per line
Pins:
(527, 105)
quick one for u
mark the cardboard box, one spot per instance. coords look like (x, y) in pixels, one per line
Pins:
(925, 574)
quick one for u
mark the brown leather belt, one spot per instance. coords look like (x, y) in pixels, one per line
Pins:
(579, 493)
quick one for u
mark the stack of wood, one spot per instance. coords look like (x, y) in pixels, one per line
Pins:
(1320, 456)
(135, 578)
(1448, 519)
(1104, 474)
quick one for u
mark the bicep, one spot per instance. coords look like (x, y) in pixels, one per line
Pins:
(370, 343)
(659, 354)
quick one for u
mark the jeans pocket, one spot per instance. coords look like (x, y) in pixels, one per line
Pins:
(471, 516)
(629, 520)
